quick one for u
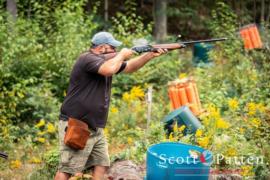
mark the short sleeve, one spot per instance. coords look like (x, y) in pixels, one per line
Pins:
(123, 66)
(92, 62)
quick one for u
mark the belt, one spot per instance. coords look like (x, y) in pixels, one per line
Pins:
(65, 118)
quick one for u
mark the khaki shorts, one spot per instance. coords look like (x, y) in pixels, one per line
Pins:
(95, 153)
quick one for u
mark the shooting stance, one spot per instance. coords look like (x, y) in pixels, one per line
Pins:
(84, 112)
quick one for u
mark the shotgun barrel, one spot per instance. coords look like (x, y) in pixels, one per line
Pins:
(203, 41)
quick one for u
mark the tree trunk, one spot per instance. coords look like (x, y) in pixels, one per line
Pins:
(254, 10)
(12, 8)
(262, 11)
(160, 20)
(268, 16)
(106, 10)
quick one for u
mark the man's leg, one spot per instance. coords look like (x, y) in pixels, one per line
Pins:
(99, 157)
(61, 176)
(99, 172)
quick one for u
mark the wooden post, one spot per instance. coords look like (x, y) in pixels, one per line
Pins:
(160, 20)
(12, 9)
(106, 10)
(149, 105)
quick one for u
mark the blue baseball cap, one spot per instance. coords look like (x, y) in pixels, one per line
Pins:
(105, 38)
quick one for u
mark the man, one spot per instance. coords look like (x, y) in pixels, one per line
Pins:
(88, 100)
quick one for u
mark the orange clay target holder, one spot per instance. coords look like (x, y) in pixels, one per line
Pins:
(251, 37)
(184, 92)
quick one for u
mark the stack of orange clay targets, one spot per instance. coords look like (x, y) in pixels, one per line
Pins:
(184, 92)
(251, 37)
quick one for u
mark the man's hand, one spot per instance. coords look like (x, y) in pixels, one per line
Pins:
(126, 53)
(159, 52)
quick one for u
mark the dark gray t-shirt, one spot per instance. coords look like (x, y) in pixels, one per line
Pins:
(88, 94)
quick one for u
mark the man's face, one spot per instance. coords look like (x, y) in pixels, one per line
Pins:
(105, 48)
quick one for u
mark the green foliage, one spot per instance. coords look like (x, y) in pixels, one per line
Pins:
(48, 170)
(234, 74)
(36, 59)
(128, 26)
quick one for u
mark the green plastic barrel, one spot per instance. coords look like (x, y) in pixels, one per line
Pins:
(183, 116)
(200, 53)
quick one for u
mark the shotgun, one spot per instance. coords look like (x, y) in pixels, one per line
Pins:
(171, 46)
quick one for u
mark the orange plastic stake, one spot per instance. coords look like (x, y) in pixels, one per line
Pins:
(183, 96)
(258, 38)
(252, 36)
(245, 35)
(171, 97)
(175, 98)
(191, 98)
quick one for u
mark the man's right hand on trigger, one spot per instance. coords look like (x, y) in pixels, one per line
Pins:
(126, 53)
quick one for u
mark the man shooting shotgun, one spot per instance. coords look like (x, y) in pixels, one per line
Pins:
(84, 112)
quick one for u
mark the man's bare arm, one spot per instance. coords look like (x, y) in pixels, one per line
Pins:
(138, 62)
(112, 66)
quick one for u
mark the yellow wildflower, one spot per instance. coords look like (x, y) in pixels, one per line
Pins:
(41, 133)
(203, 142)
(35, 160)
(126, 97)
(233, 104)
(206, 121)
(199, 133)
(137, 92)
(251, 108)
(182, 75)
(222, 124)
(41, 140)
(256, 122)
(50, 128)
(247, 171)
(15, 164)
(171, 138)
(114, 109)
(40, 123)
(261, 107)
(214, 112)
(182, 128)
(130, 140)
(231, 152)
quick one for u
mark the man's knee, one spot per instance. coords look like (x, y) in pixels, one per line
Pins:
(99, 172)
